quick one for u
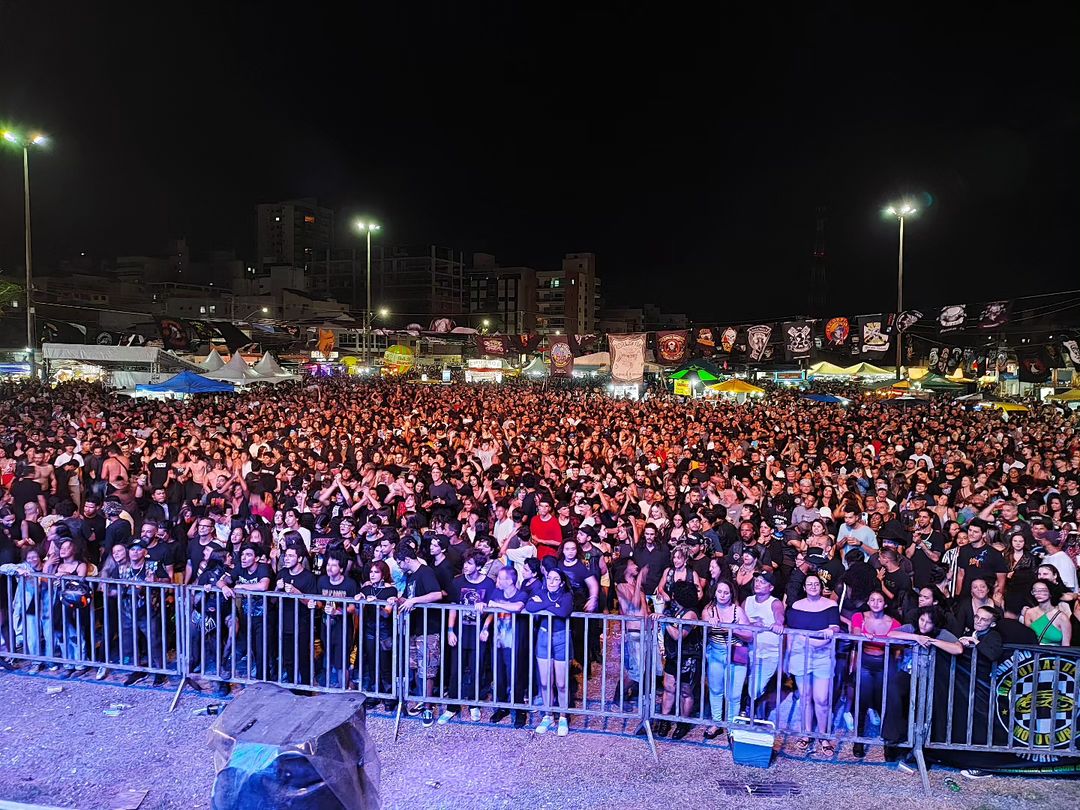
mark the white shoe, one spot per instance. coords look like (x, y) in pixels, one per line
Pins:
(973, 773)
(445, 718)
(564, 727)
(545, 724)
(474, 714)
(101, 674)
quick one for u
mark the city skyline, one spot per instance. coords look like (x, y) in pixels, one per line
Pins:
(696, 158)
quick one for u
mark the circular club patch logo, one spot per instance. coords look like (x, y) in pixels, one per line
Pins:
(561, 356)
(672, 347)
(1036, 699)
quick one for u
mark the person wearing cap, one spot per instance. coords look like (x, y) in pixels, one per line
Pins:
(1053, 545)
(765, 613)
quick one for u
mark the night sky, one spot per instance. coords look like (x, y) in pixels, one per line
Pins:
(689, 152)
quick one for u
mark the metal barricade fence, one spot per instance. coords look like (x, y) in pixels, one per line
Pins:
(1019, 700)
(299, 641)
(832, 687)
(129, 625)
(584, 665)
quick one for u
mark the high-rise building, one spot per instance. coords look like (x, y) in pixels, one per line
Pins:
(293, 232)
(414, 285)
(504, 296)
(568, 299)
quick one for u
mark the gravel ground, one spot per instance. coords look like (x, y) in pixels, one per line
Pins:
(61, 750)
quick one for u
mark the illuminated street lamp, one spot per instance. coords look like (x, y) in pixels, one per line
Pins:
(901, 211)
(25, 143)
(367, 228)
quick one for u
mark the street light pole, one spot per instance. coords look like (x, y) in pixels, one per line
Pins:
(900, 211)
(368, 228)
(31, 342)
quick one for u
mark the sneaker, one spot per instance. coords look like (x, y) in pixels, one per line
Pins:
(474, 714)
(873, 717)
(34, 668)
(101, 674)
(446, 717)
(974, 773)
(427, 718)
(133, 678)
(414, 709)
(499, 715)
(545, 724)
(519, 720)
(160, 680)
(849, 721)
(564, 727)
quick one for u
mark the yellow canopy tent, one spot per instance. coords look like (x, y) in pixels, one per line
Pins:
(824, 369)
(958, 377)
(734, 386)
(1073, 395)
(867, 370)
(917, 372)
(1009, 407)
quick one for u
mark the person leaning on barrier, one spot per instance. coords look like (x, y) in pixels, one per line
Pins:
(469, 631)
(249, 576)
(204, 623)
(336, 627)
(811, 657)
(425, 630)
(726, 662)
(628, 580)
(763, 610)
(140, 612)
(512, 661)
(554, 643)
(294, 617)
(378, 633)
(871, 658)
(73, 597)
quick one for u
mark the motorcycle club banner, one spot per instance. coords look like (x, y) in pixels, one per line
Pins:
(837, 334)
(875, 333)
(1072, 349)
(951, 318)
(705, 341)
(672, 346)
(907, 319)
(627, 357)
(757, 342)
(561, 356)
(798, 340)
(524, 344)
(1034, 364)
(493, 345)
(728, 339)
(994, 314)
(175, 334)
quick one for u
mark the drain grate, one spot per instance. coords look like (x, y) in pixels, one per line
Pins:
(772, 790)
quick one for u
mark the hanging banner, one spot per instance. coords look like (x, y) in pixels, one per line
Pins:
(729, 337)
(1072, 349)
(524, 344)
(175, 334)
(682, 388)
(326, 342)
(672, 346)
(582, 344)
(837, 334)
(1034, 364)
(798, 340)
(952, 317)
(627, 357)
(875, 334)
(561, 356)
(705, 341)
(234, 338)
(907, 319)
(757, 342)
(493, 345)
(994, 315)
(51, 331)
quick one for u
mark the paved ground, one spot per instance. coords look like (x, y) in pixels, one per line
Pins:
(61, 750)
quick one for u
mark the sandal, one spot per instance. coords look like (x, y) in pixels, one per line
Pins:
(828, 747)
(802, 745)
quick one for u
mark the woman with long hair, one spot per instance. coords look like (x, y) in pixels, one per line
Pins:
(726, 663)
(876, 625)
(1022, 573)
(554, 603)
(682, 657)
(1048, 618)
(810, 658)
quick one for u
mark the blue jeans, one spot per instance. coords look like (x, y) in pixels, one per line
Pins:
(725, 682)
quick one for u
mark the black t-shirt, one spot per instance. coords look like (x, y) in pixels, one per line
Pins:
(92, 533)
(463, 592)
(920, 563)
(158, 470)
(578, 575)
(23, 491)
(305, 582)
(375, 620)
(986, 562)
(195, 550)
(420, 583)
(241, 576)
(899, 584)
(444, 574)
(161, 553)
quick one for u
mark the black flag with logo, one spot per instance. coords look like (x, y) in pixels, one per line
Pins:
(1072, 349)
(672, 346)
(757, 342)
(875, 334)
(492, 345)
(1034, 364)
(952, 317)
(798, 340)
(994, 314)
(176, 334)
(705, 341)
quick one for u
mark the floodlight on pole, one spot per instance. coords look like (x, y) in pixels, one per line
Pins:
(900, 211)
(367, 228)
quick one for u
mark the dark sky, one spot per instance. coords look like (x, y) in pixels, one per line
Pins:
(688, 151)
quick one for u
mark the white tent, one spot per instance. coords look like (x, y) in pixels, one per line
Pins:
(133, 357)
(236, 371)
(212, 362)
(269, 369)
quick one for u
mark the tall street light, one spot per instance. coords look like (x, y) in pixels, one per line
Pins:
(367, 228)
(25, 143)
(901, 211)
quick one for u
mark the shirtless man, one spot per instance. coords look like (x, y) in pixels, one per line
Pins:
(44, 473)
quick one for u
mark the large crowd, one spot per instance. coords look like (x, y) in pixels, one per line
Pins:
(948, 526)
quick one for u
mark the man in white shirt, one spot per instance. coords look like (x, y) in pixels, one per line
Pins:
(1053, 542)
(504, 524)
(920, 455)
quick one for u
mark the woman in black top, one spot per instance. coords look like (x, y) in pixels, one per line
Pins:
(682, 657)
(1023, 569)
(377, 630)
(810, 657)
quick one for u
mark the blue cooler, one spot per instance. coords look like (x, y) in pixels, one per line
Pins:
(752, 745)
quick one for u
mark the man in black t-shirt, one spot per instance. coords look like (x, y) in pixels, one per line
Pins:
(251, 577)
(978, 558)
(337, 633)
(423, 629)
(469, 632)
(140, 615)
(295, 616)
(925, 550)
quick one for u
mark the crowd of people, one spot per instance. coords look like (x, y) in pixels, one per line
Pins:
(943, 525)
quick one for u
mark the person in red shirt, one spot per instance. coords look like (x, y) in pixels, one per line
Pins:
(545, 531)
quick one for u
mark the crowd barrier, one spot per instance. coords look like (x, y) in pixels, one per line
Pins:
(622, 674)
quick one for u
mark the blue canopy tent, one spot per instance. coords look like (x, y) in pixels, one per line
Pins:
(825, 398)
(188, 382)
